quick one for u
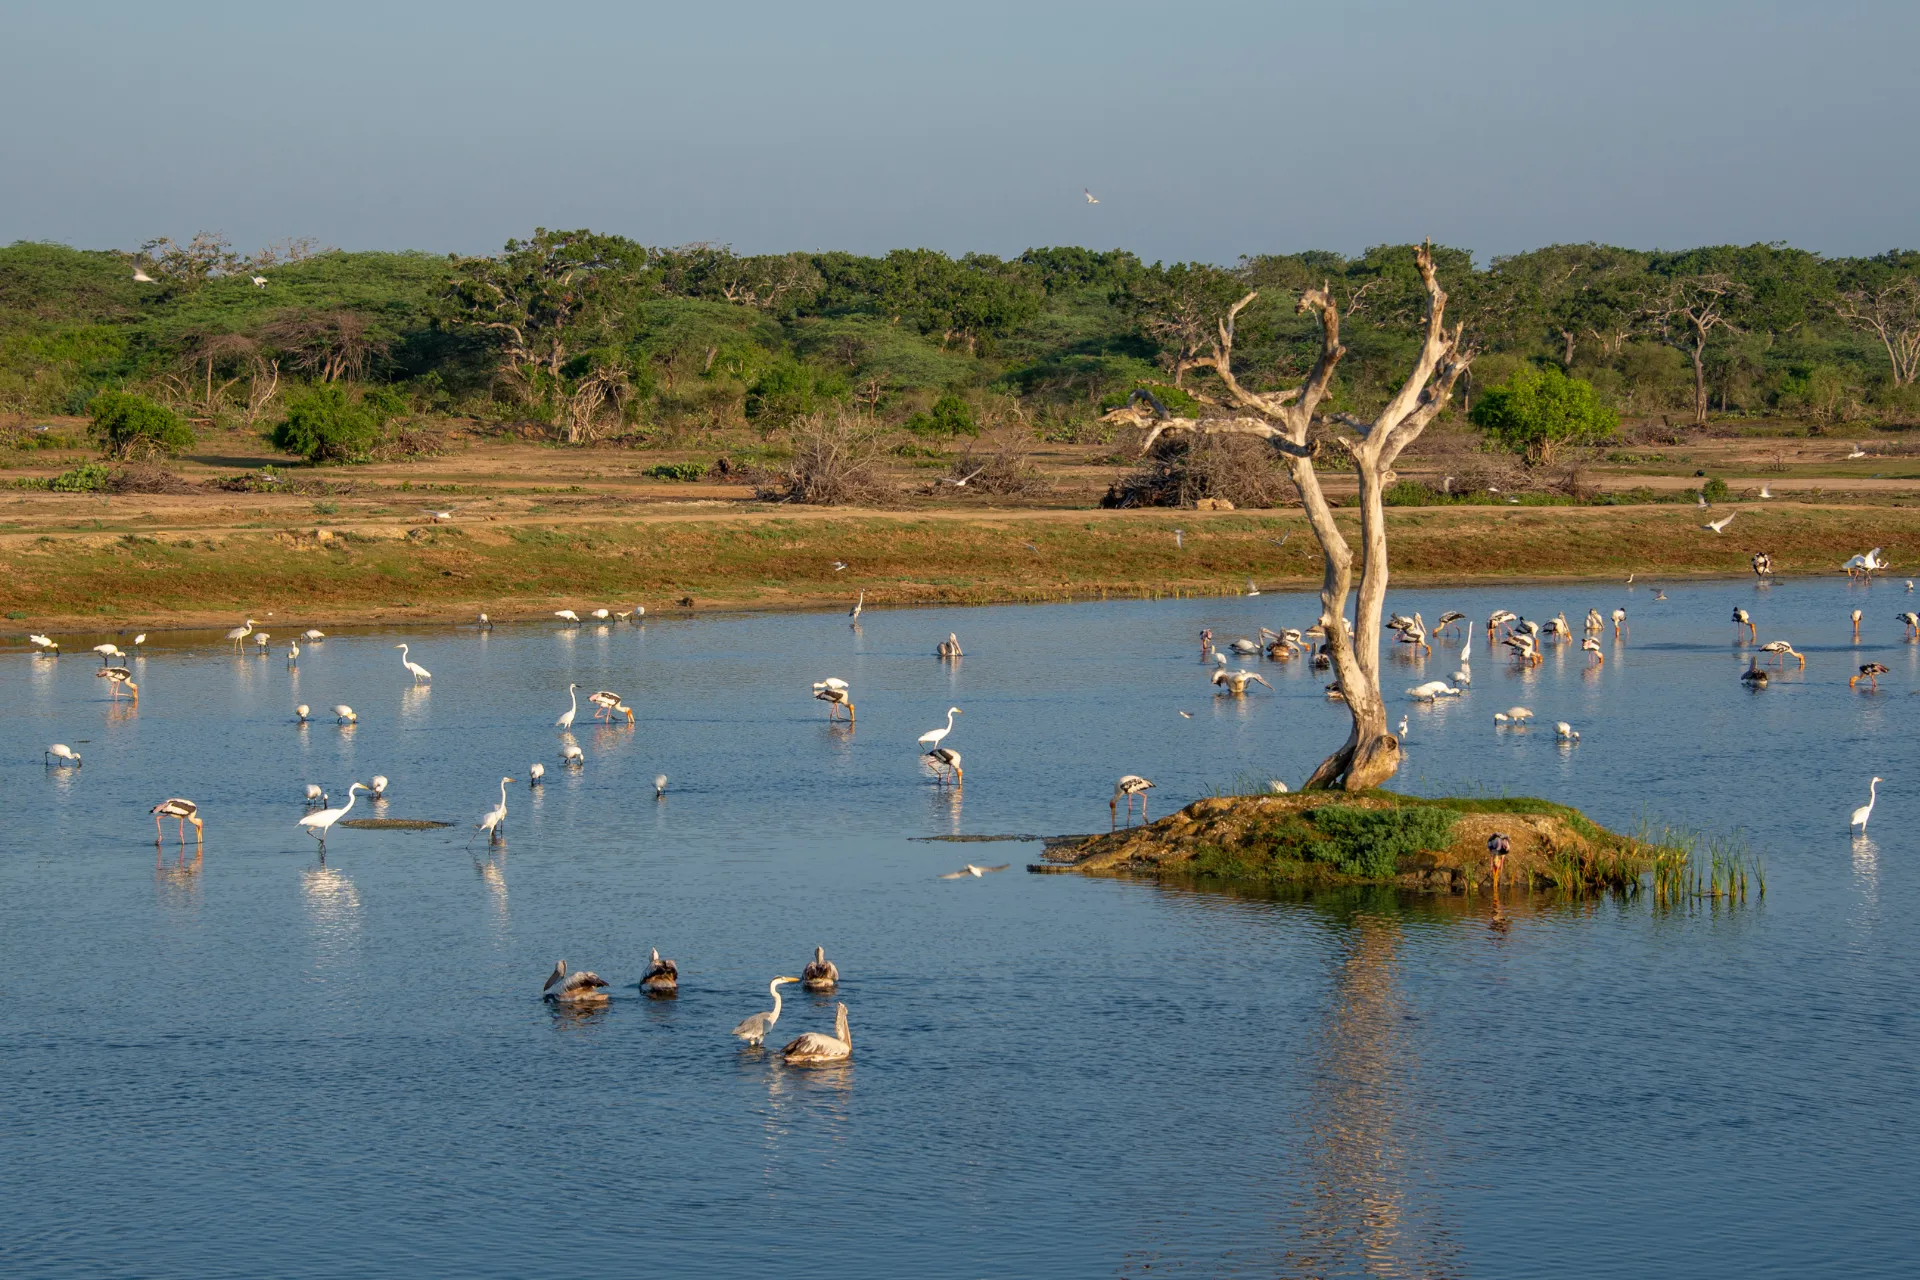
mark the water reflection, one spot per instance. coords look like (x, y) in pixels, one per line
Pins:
(178, 879)
(333, 907)
(492, 870)
(413, 702)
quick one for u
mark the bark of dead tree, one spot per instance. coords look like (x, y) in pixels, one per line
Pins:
(1371, 754)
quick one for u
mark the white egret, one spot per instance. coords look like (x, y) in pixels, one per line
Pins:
(662, 977)
(259, 282)
(1765, 492)
(293, 653)
(1865, 811)
(318, 824)
(573, 708)
(858, 605)
(820, 973)
(414, 669)
(1857, 452)
(494, 819)
(944, 759)
(240, 633)
(182, 812)
(440, 516)
(343, 714)
(932, 737)
(62, 752)
(836, 694)
(973, 870)
(754, 1029)
(142, 277)
(1720, 525)
(813, 1047)
(1129, 785)
(584, 987)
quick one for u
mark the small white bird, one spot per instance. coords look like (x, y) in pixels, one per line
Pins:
(441, 516)
(567, 615)
(1858, 452)
(1402, 730)
(973, 870)
(484, 622)
(601, 615)
(1091, 198)
(572, 755)
(343, 714)
(311, 635)
(535, 772)
(62, 752)
(378, 791)
(839, 566)
(143, 277)
(1514, 715)
(302, 713)
(659, 785)
(1865, 811)
(1565, 732)
(316, 795)
(1251, 589)
(1765, 492)
(1720, 525)
(259, 282)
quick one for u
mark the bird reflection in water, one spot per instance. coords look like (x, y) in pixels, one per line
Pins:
(178, 878)
(492, 870)
(943, 805)
(1365, 1212)
(1866, 862)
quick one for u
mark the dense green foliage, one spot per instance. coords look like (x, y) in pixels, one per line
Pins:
(1537, 410)
(127, 425)
(1371, 842)
(591, 335)
(326, 425)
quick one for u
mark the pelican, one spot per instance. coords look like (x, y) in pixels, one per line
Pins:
(573, 708)
(117, 677)
(858, 605)
(414, 669)
(1513, 715)
(1720, 525)
(1871, 673)
(318, 824)
(932, 737)
(182, 812)
(584, 987)
(754, 1029)
(1783, 649)
(1595, 623)
(974, 870)
(1236, 682)
(835, 693)
(65, 754)
(1742, 619)
(316, 795)
(378, 791)
(1856, 626)
(572, 755)
(948, 648)
(659, 786)
(495, 819)
(610, 704)
(535, 772)
(343, 714)
(1557, 627)
(1754, 678)
(662, 977)
(302, 713)
(1592, 646)
(107, 651)
(1865, 811)
(240, 633)
(1912, 621)
(1565, 732)
(568, 616)
(945, 758)
(1619, 620)
(1130, 785)
(820, 973)
(813, 1047)
(1244, 646)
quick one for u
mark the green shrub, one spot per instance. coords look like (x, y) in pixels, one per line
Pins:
(325, 426)
(1176, 401)
(1715, 490)
(1536, 411)
(676, 471)
(950, 416)
(1371, 842)
(88, 477)
(790, 391)
(127, 425)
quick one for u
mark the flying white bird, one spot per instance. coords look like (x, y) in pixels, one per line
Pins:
(143, 277)
(1720, 525)
(973, 870)
(1858, 452)
(1091, 198)
(259, 282)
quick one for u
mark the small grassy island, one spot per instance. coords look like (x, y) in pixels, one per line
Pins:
(1334, 838)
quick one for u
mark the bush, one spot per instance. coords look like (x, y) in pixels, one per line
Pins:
(836, 460)
(789, 392)
(676, 471)
(1184, 468)
(1371, 842)
(1537, 411)
(1715, 490)
(88, 477)
(950, 416)
(325, 426)
(131, 426)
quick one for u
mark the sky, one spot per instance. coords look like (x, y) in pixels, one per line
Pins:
(1207, 129)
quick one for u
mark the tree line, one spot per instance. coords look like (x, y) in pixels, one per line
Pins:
(588, 336)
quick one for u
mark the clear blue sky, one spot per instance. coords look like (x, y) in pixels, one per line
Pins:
(1207, 129)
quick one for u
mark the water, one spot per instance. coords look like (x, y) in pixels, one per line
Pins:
(254, 1063)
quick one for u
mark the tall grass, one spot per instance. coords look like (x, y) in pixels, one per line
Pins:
(1689, 865)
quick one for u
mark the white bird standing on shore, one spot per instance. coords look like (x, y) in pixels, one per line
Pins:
(414, 669)
(1865, 811)
(1130, 785)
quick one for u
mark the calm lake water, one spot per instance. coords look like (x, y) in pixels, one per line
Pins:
(258, 1064)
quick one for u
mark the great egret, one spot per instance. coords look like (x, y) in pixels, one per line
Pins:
(1865, 811)
(318, 824)
(973, 870)
(495, 818)
(948, 648)
(835, 693)
(659, 786)
(1129, 785)
(813, 1047)
(240, 633)
(584, 987)
(182, 812)
(609, 703)
(755, 1028)
(1857, 452)
(820, 973)
(378, 791)
(858, 605)
(932, 737)
(116, 677)
(573, 708)
(343, 714)
(259, 282)
(1871, 673)
(62, 752)
(535, 772)
(414, 669)
(440, 516)
(567, 615)
(662, 977)
(945, 758)
(1252, 589)
(1783, 649)
(839, 566)
(1236, 682)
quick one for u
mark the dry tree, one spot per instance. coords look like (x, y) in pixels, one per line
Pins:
(836, 462)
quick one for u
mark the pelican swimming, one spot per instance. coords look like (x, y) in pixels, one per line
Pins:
(662, 977)
(494, 820)
(932, 737)
(117, 678)
(182, 812)
(610, 705)
(1129, 786)
(1236, 682)
(414, 669)
(835, 693)
(318, 824)
(1865, 811)
(573, 708)
(240, 633)
(948, 648)
(814, 1047)
(65, 754)
(584, 987)
(944, 759)
(754, 1029)
(820, 973)
(973, 870)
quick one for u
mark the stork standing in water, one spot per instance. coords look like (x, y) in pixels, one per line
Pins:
(1129, 786)
(182, 812)
(836, 694)
(1783, 650)
(610, 705)
(1619, 621)
(1911, 621)
(754, 1029)
(116, 677)
(1742, 619)
(414, 669)
(1592, 646)
(583, 987)
(944, 759)
(318, 824)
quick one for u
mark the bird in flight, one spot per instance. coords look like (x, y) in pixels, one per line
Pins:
(838, 565)
(1091, 198)
(440, 517)
(1720, 525)
(259, 282)
(1858, 452)
(974, 870)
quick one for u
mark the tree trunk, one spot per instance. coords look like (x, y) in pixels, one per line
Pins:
(1566, 358)
(1699, 380)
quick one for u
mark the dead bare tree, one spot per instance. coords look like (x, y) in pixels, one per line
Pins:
(1890, 311)
(263, 388)
(329, 345)
(1684, 316)
(1371, 754)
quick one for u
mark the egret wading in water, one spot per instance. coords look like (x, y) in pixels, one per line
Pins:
(573, 708)
(932, 737)
(813, 1047)
(494, 820)
(662, 977)
(414, 669)
(240, 633)
(754, 1029)
(1865, 811)
(318, 824)
(1129, 786)
(584, 987)
(182, 812)
(820, 973)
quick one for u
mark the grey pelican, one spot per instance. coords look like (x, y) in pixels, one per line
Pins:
(662, 977)
(820, 973)
(814, 1047)
(584, 987)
